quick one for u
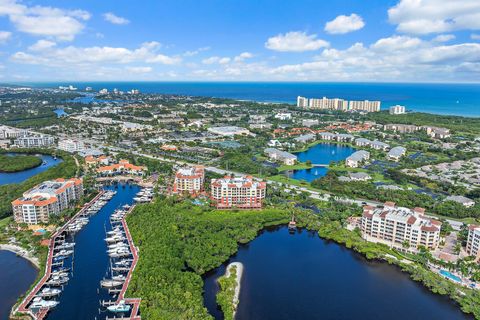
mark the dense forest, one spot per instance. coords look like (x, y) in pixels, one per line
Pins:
(18, 163)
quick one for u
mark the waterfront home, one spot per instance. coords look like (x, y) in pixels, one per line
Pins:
(357, 158)
(378, 145)
(305, 138)
(362, 142)
(35, 141)
(279, 155)
(189, 179)
(327, 136)
(464, 201)
(396, 153)
(122, 167)
(397, 226)
(238, 192)
(343, 137)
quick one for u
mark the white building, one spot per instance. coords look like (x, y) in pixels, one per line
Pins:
(357, 158)
(71, 146)
(397, 109)
(328, 104)
(473, 241)
(279, 155)
(7, 132)
(396, 153)
(37, 141)
(229, 131)
(310, 122)
(397, 226)
(365, 105)
(283, 116)
(302, 102)
(464, 201)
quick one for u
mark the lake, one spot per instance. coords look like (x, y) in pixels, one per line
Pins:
(322, 153)
(301, 276)
(18, 177)
(16, 276)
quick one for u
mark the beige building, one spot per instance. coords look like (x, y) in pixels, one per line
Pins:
(189, 179)
(238, 192)
(397, 226)
(473, 241)
(46, 199)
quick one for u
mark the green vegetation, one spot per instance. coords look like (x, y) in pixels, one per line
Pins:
(18, 163)
(227, 293)
(178, 243)
(9, 192)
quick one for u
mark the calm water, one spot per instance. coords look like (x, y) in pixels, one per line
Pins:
(60, 113)
(16, 276)
(304, 277)
(80, 299)
(17, 177)
(455, 99)
(321, 153)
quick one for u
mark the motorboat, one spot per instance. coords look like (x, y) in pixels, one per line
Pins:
(115, 238)
(49, 292)
(110, 283)
(116, 251)
(123, 263)
(119, 307)
(65, 245)
(57, 281)
(63, 252)
(60, 270)
(38, 302)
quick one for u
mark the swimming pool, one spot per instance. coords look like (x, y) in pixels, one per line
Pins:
(450, 275)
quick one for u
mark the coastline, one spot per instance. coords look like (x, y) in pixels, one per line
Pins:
(19, 251)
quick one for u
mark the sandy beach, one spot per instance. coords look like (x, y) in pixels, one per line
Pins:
(22, 253)
(236, 296)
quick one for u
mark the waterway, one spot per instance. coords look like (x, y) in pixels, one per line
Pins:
(301, 276)
(322, 153)
(81, 296)
(16, 276)
(18, 177)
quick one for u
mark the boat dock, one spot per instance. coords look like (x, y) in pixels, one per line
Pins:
(57, 238)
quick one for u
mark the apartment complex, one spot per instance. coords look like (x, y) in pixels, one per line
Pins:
(189, 179)
(338, 104)
(122, 167)
(7, 132)
(357, 158)
(36, 141)
(71, 146)
(238, 192)
(46, 199)
(279, 155)
(396, 226)
(473, 241)
(397, 109)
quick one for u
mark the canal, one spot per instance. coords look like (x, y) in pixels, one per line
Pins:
(322, 153)
(301, 276)
(81, 296)
(18, 177)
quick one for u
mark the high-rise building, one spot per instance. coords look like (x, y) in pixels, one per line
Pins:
(302, 102)
(397, 109)
(36, 141)
(189, 179)
(365, 105)
(473, 241)
(338, 104)
(46, 199)
(238, 192)
(400, 227)
(71, 145)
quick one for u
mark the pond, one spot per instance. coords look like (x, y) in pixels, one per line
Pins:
(16, 276)
(320, 154)
(301, 276)
(60, 113)
(18, 177)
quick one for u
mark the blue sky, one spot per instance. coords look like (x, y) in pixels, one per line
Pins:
(264, 40)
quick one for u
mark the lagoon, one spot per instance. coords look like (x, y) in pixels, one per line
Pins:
(301, 276)
(18, 177)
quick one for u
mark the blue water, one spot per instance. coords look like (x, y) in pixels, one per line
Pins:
(60, 113)
(302, 276)
(450, 275)
(454, 99)
(322, 153)
(18, 177)
(16, 276)
(80, 299)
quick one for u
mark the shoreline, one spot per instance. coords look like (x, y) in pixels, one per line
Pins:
(239, 273)
(21, 252)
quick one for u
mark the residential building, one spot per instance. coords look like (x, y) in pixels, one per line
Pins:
(283, 116)
(357, 158)
(401, 128)
(344, 137)
(464, 201)
(379, 145)
(396, 153)
(302, 102)
(435, 132)
(473, 241)
(279, 155)
(46, 199)
(327, 136)
(95, 161)
(36, 141)
(70, 145)
(397, 109)
(400, 227)
(365, 105)
(189, 179)
(310, 122)
(122, 167)
(328, 104)
(238, 192)
(362, 142)
(305, 138)
(7, 132)
(229, 131)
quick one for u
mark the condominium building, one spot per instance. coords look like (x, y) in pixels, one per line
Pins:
(338, 104)
(37, 141)
(279, 155)
(122, 167)
(46, 199)
(7, 132)
(328, 104)
(402, 128)
(302, 102)
(189, 179)
(396, 153)
(357, 158)
(397, 109)
(473, 241)
(365, 105)
(400, 227)
(238, 192)
(70, 145)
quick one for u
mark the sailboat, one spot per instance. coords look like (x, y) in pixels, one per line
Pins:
(119, 307)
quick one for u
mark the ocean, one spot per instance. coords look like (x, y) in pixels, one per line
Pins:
(447, 99)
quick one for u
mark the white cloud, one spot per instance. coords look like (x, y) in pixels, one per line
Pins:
(44, 21)
(344, 24)
(475, 36)
(195, 52)
(4, 36)
(215, 59)
(112, 18)
(295, 41)
(396, 43)
(139, 69)
(243, 56)
(42, 45)
(444, 38)
(435, 16)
